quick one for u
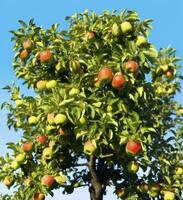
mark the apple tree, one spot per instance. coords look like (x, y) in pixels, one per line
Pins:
(103, 114)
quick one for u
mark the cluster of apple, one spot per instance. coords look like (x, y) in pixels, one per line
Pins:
(166, 70)
(118, 80)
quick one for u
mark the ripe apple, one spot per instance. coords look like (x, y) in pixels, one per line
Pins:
(27, 146)
(74, 65)
(133, 147)
(45, 56)
(48, 180)
(169, 74)
(39, 196)
(118, 81)
(24, 54)
(60, 119)
(90, 147)
(90, 35)
(28, 44)
(132, 66)
(141, 40)
(32, 120)
(169, 195)
(133, 167)
(50, 118)
(105, 74)
(115, 29)
(21, 157)
(15, 165)
(51, 84)
(19, 102)
(8, 181)
(178, 171)
(47, 153)
(154, 190)
(42, 139)
(74, 91)
(121, 192)
(126, 27)
(41, 85)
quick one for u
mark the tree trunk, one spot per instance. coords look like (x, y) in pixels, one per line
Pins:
(96, 189)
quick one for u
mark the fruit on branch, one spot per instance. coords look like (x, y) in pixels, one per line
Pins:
(90, 147)
(141, 40)
(27, 146)
(48, 180)
(42, 139)
(61, 179)
(132, 66)
(118, 81)
(169, 74)
(143, 188)
(60, 119)
(24, 54)
(133, 147)
(50, 128)
(115, 29)
(74, 91)
(28, 44)
(90, 35)
(32, 120)
(105, 74)
(154, 190)
(133, 167)
(82, 120)
(41, 85)
(51, 84)
(168, 195)
(38, 196)
(121, 192)
(15, 165)
(21, 157)
(19, 102)
(8, 181)
(51, 118)
(47, 153)
(126, 27)
(45, 56)
(178, 171)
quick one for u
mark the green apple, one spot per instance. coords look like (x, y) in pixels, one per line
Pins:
(19, 102)
(109, 108)
(133, 167)
(32, 120)
(164, 67)
(51, 84)
(20, 158)
(141, 40)
(6, 167)
(126, 27)
(168, 195)
(115, 29)
(15, 165)
(60, 119)
(61, 179)
(90, 147)
(178, 171)
(8, 181)
(74, 91)
(41, 85)
(47, 153)
(82, 120)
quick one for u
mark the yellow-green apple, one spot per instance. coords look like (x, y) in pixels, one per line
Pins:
(8, 181)
(47, 153)
(51, 84)
(90, 147)
(60, 119)
(126, 27)
(19, 102)
(141, 40)
(50, 118)
(21, 157)
(82, 120)
(115, 29)
(178, 171)
(41, 84)
(28, 44)
(15, 165)
(61, 179)
(133, 166)
(32, 120)
(74, 91)
(169, 195)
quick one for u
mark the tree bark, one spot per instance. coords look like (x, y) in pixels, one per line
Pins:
(96, 188)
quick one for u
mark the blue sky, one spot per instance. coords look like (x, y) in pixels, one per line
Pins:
(168, 29)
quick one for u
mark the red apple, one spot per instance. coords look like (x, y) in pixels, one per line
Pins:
(133, 147)
(39, 196)
(105, 74)
(24, 54)
(118, 81)
(42, 139)
(27, 146)
(45, 56)
(48, 180)
(132, 66)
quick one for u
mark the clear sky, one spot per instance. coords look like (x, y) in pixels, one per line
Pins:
(168, 29)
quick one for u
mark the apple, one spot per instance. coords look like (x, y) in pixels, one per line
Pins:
(50, 128)
(143, 188)
(178, 171)
(133, 167)
(121, 192)
(19, 102)
(32, 120)
(141, 40)
(48, 180)
(169, 195)
(42, 139)
(105, 74)
(60, 119)
(15, 165)
(118, 81)
(45, 56)
(126, 27)
(115, 29)
(8, 181)
(24, 54)
(47, 153)
(39, 196)
(6, 167)
(169, 74)
(74, 91)
(61, 179)
(21, 157)
(90, 35)
(41, 85)
(82, 120)
(90, 147)
(132, 66)
(51, 84)
(28, 44)
(164, 67)
(74, 65)
(154, 190)
(50, 118)
(133, 147)
(27, 146)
